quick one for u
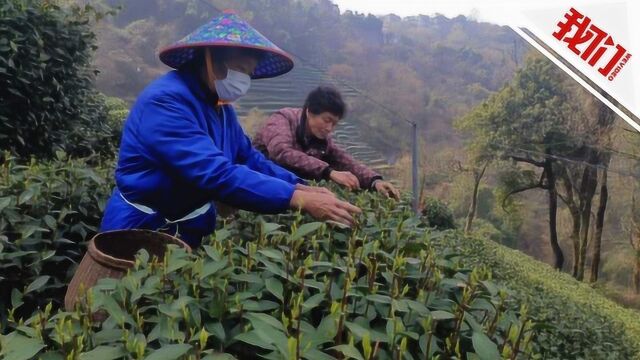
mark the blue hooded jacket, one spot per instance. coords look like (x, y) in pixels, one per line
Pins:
(178, 154)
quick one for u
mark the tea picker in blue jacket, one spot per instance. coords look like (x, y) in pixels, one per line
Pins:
(182, 146)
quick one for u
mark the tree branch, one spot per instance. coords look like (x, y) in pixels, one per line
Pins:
(568, 199)
(527, 160)
(564, 200)
(484, 168)
(513, 192)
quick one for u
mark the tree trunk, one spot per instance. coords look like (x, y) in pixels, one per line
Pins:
(636, 274)
(472, 208)
(634, 235)
(587, 191)
(471, 214)
(574, 211)
(553, 211)
(602, 207)
(575, 239)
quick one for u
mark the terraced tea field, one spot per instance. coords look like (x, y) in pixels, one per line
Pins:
(291, 89)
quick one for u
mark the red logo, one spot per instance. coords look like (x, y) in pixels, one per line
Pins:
(592, 43)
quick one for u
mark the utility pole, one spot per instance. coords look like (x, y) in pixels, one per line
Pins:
(414, 167)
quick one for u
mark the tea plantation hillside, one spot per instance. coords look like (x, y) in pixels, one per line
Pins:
(285, 287)
(273, 287)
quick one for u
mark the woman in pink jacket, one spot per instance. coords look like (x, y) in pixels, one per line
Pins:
(300, 140)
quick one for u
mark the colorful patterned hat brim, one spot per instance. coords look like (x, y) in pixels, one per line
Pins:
(228, 30)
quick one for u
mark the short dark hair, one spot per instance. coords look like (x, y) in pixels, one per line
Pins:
(325, 99)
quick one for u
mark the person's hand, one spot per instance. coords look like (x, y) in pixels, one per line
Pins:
(385, 187)
(345, 178)
(314, 189)
(324, 207)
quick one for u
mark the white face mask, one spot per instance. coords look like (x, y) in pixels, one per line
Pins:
(234, 86)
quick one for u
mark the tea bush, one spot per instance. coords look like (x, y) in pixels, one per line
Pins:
(291, 289)
(437, 214)
(47, 211)
(577, 321)
(47, 96)
(275, 285)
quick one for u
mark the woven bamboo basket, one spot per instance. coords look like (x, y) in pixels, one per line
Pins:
(110, 254)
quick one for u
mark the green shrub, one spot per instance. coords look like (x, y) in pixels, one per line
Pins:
(47, 211)
(438, 215)
(577, 322)
(48, 102)
(117, 112)
(267, 284)
(283, 288)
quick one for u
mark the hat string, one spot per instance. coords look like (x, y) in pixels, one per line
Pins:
(211, 76)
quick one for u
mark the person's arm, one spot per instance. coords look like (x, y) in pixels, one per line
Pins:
(342, 161)
(170, 135)
(255, 160)
(368, 178)
(279, 141)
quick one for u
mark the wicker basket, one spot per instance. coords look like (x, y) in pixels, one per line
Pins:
(110, 254)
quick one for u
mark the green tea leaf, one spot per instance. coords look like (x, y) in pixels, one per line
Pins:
(4, 202)
(112, 307)
(212, 267)
(27, 195)
(37, 283)
(274, 269)
(169, 352)
(50, 221)
(104, 353)
(222, 234)
(484, 347)
(360, 332)
(315, 354)
(417, 307)
(47, 255)
(491, 287)
(305, 229)
(211, 252)
(312, 302)
(326, 331)
(379, 298)
(51, 355)
(18, 347)
(349, 351)
(249, 278)
(217, 330)
(269, 227)
(16, 298)
(263, 305)
(177, 264)
(252, 338)
(107, 336)
(272, 253)
(274, 287)
(441, 315)
(265, 318)
(482, 304)
(422, 341)
(27, 331)
(219, 357)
